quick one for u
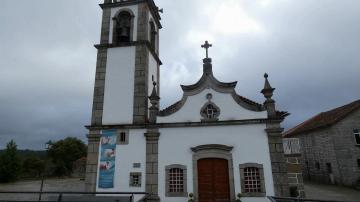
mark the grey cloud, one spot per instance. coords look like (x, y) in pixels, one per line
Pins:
(47, 61)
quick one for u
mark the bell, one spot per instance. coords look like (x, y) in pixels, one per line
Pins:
(124, 32)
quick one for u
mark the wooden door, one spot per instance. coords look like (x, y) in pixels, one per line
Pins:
(213, 180)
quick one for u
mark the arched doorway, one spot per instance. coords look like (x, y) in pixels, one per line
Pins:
(213, 173)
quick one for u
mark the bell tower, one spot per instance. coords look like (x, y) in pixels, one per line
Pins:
(127, 62)
(127, 65)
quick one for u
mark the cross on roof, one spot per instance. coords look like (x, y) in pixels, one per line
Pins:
(206, 46)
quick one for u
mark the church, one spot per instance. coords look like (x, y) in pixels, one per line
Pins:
(211, 145)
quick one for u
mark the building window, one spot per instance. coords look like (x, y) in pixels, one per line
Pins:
(135, 179)
(357, 136)
(252, 179)
(123, 137)
(152, 35)
(328, 168)
(358, 163)
(317, 165)
(176, 181)
(123, 24)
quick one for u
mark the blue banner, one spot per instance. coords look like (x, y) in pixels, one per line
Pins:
(107, 158)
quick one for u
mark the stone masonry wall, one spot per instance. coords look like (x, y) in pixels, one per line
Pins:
(278, 164)
(140, 106)
(333, 147)
(98, 100)
(97, 109)
(92, 161)
(295, 177)
(317, 152)
(347, 152)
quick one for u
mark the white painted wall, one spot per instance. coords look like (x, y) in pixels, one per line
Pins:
(119, 86)
(126, 155)
(229, 109)
(250, 146)
(114, 11)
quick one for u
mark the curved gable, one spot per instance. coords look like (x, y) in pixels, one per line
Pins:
(231, 105)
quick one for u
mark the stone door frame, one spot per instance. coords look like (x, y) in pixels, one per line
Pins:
(213, 151)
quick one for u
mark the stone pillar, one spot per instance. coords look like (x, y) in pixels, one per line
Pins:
(275, 142)
(140, 106)
(152, 170)
(98, 103)
(292, 153)
(152, 149)
(295, 178)
(278, 163)
(92, 160)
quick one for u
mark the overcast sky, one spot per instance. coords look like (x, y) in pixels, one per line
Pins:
(47, 60)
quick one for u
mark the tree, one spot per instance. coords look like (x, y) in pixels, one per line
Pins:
(64, 153)
(33, 166)
(10, 163)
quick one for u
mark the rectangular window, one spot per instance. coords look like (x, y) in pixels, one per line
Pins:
(176, 181)
(357, 136)
(123, 137)
(317, 165)
(135, 179)
(252, 180)
(328, 168)
(358, 163)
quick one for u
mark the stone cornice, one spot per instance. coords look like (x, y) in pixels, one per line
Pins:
(212, 147)
(183, 124)
(132, 43)
(152, 7)
(274, 131)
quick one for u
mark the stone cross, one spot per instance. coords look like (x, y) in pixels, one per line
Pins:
(206, 46)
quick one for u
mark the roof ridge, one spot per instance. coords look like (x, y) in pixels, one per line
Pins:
(324, 119)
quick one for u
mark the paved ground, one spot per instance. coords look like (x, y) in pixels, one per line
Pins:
(313, 191)
(331, 192)
(49, 185)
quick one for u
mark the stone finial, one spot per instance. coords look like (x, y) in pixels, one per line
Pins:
(154, 108)
(268, 90)
(268, 93)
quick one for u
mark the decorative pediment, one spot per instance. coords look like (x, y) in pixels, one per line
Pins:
(208, 81)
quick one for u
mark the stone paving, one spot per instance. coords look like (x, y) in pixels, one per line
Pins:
(331, 192)
(73, 184)
(313, 190)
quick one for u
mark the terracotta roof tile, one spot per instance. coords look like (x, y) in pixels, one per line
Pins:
(324, 119)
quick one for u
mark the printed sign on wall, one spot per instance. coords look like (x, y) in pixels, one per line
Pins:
(107, 158)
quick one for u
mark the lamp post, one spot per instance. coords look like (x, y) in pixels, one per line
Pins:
(48, 145)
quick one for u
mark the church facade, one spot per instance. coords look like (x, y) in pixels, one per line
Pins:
(209, 146)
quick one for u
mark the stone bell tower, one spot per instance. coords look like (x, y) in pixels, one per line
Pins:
(127, 65)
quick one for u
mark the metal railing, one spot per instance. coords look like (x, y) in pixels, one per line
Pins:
(287, 199)
(59, 196)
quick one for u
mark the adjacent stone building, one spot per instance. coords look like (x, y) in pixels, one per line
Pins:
(330, 143)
